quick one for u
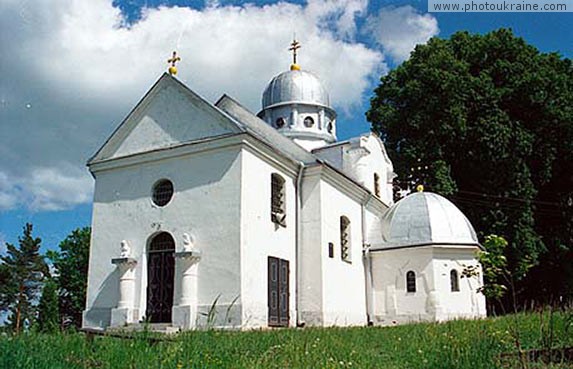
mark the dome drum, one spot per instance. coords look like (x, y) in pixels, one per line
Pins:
(297, 104)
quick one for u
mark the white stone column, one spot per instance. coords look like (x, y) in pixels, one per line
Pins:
(125, 312)
(184, 313)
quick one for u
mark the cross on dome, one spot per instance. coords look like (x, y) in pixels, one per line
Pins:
(174, 59)
(294, 46)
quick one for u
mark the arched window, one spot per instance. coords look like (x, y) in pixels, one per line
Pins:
(278, 210)
(376, 184)
(410, 281)
(345, 238)
(454, 280)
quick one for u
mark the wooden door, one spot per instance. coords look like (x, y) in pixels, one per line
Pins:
(160, 278)
(278, 292)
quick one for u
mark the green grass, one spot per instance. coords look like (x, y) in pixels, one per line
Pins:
(456, 345)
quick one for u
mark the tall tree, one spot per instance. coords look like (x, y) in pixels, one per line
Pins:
(71, 266)
(48, 315)
(487, 121)
(22, 271)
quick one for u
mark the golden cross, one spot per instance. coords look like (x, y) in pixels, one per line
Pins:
(174, 59)
(294, 46)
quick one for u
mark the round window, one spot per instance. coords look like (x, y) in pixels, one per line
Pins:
(280, 122)
(162, 192)
(308, 122)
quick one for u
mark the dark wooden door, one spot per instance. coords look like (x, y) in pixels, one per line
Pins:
(160, 278)
(278, 292)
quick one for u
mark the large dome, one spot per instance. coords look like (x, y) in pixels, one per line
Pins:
(295, 86)
(426, 218)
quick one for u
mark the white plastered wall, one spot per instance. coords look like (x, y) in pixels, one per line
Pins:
(310, 263)
(433, 300)
(392, 304)
(344, 299)
(467, 302)
(206, 204)
(261, 238)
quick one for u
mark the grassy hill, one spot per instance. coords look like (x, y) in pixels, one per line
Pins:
(456, 345)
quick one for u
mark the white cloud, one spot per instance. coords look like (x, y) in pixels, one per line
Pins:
(46, 188)
(71, 71)
(400, 29)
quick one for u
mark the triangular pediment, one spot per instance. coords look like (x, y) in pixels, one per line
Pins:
(169, 114)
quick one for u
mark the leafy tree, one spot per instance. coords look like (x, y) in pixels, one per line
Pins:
(496, 278)
(486, 120)
(71, 266)
(48, 315)
(21, 274)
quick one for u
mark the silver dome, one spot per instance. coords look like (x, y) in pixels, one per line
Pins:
(295, 86)
(426, 218)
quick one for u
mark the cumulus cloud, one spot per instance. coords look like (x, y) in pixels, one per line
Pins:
(72, 69)
(46, 188)
(400, 29)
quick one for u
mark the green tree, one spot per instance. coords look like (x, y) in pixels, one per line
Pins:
(486, 121)
(71, 266)
(48, 315)
(22, 272)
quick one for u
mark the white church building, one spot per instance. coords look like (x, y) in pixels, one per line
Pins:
(209, 215)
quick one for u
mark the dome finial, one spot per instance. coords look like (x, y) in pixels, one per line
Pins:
(294, 46)
(174, 59)
(420, 188)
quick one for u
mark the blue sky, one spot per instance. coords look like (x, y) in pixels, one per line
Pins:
(72, 69)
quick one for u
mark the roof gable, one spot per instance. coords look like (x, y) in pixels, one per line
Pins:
(169, 114)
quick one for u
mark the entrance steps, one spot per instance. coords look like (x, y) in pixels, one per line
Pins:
(165, 328)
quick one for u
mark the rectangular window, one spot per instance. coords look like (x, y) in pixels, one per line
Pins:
(278, 209)
(345, 239)
(330, 250)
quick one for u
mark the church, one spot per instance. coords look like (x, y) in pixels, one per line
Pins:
(208, 215)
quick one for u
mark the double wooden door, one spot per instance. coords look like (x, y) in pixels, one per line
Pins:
(278, 292)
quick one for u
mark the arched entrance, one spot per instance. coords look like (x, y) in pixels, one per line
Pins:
(160, 275)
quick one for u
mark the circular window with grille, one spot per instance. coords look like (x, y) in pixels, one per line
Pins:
(280, 122)
(308, 122)
(162, 192)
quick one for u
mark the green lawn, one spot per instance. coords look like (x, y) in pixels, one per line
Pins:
(456, 345)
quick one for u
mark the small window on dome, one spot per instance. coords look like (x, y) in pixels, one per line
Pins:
(308, 122)
(280, 122)
(162, 192)
(329, 127)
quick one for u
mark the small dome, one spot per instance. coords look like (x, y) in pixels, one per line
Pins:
(426, 218)
(295, 86)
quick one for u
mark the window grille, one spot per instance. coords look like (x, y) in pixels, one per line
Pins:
(162, 192)
(278, 211)
(345, 238)
(376, 184)
(410, 281)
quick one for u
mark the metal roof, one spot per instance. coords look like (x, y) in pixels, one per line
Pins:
(257, 127)
(295, 86)
(426, 218)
